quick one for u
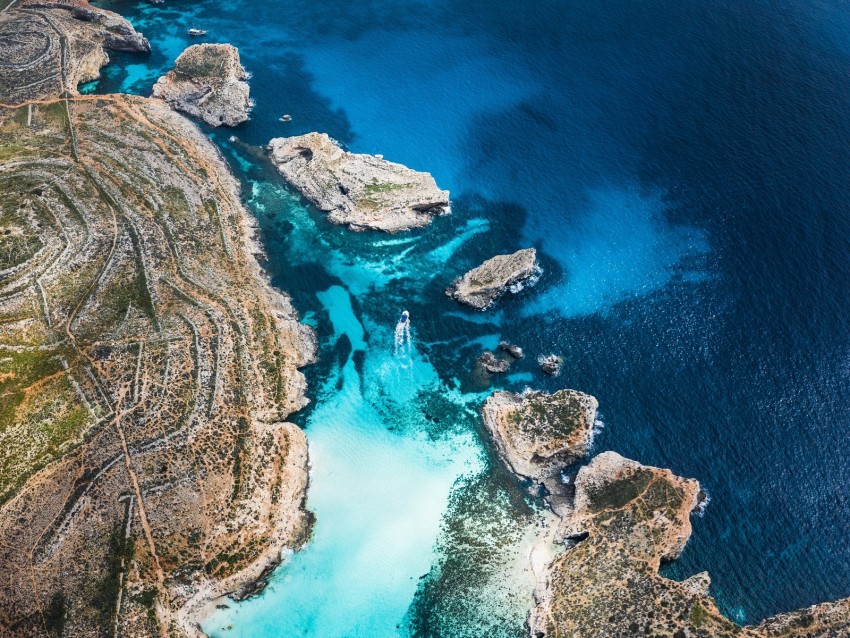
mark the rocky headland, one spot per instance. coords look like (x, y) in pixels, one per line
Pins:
(621, 521)
(538, 434)
(147, 367)
(49, 48)
(208, 82)
(482, 285)
(360, 191)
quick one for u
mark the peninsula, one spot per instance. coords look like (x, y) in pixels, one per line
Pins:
(619, 521)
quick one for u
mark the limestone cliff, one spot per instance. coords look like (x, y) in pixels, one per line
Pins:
(627, 519)
(208, 82)
(362, 192)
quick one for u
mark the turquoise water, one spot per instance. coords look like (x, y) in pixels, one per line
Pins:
(682, 169)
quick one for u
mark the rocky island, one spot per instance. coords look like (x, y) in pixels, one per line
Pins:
(147, 368)
(208, 81)
(481, 286)
(621, 522)
(360, 191)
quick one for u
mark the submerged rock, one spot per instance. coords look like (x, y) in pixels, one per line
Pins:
(481, 286)
(363, 192)
(492, 364)
(551, 364)
(512, 349)
(208, 82)
(538, 434)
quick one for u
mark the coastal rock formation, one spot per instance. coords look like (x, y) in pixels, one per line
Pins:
(147, 370)
(551, 364)
(512, 349)
(482, 285)
(492, 364)
(627, 519)
(48, 48)
(208, 82)
(538, 434)
(362, 192)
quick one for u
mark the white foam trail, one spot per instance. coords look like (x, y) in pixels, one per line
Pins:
(597, 428)
(527, 283)
(402, 342)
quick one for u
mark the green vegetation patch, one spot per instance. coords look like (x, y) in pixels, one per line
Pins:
(385, 187)
(616, 494)
(197, 64)
(41, 415)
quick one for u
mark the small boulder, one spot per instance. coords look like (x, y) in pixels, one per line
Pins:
(551, 364)
(512, 349)
(492, 364)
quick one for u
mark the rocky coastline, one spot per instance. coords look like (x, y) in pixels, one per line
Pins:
(362, 192)
(50, 48)
(139, 319)
(144, 323)
(619, 520)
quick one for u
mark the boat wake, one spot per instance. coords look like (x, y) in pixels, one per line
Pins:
(403, 348)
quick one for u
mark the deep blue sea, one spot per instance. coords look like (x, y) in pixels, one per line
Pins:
(683, 168)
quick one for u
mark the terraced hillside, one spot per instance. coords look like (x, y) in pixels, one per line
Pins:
(146, 372)
(49, 47)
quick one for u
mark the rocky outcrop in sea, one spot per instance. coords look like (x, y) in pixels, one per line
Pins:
(481, 286)
(363, 192)
(208, 82)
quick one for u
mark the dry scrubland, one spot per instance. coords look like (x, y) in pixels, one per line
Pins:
(146, 367)
(145, 370)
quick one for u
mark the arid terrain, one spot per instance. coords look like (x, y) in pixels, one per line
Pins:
(146, 366)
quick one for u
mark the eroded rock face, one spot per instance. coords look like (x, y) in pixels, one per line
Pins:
(360, 191)
(36, 62)
(208, 82)
(481, 286)
(512, 349)
(538, 434)
(628, 518)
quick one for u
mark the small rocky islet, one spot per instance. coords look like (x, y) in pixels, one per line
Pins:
(482, 285)
(361, 191)
(203, 534)
(208, 82)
